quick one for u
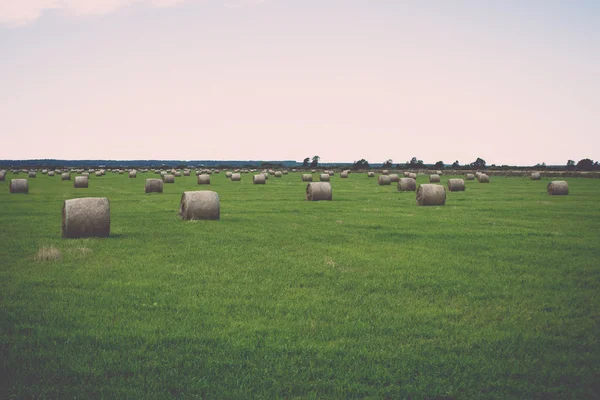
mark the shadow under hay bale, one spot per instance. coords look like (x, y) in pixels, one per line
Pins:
(154, 186)
(19, 186)
(558, 188)
(429, 194)
(203, 204)
(86, 217)
(318, 191)
(456, 185)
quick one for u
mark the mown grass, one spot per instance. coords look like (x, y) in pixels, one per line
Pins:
(494, 295)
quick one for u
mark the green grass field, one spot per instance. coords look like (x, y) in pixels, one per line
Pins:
(494, 295)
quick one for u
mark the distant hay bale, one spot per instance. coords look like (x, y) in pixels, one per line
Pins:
(168, 178)
(456, 185)
(407, 185)
(536, 176)
(330, 173)
(313, 171)
(32, 174)
(133, 174)
(259, 179)
(44, 171)
(406, 174)
(266, 175)
(186, 173)
(371, 174)
(318, 191)
(306, 178)
(86, 217)
(344, 174)
(384, 180)
(438, 172)
(217, 171)
(97, 173)
(434, 178)
(412, 175)
(558, 188)
(203, 204)
(177, 174)
(394, 177)
(285, 172)
(470, 177)
(385, 172)
(278, 174)
(154, 186)
(429, 194)
(80, 182)
(203, 179)
(324, 177)
(293, 169)
(483, 178)
(65, 176)
(2, 175)
(50, 173)
(19, 186)
(236, 177)
(163, 173)
(228, 174)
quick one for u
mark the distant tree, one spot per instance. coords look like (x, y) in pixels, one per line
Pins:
(306, 162)
(360, 164)
(315, 161)
(414, 163)
(439, 165)
(479, 163)
(388, 163)
(585, 165)
(570, 165)
(455, 164)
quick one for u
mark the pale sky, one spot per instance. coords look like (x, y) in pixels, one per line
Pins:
(511, 81)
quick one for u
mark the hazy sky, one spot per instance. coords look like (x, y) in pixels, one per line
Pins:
(512, 81)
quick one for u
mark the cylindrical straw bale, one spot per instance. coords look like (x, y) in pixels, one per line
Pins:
(259, 179)
(434, 178)
(456, 185)
(306, 178)
(44, 171)
(371, 174)
(344, 174)
(236, 177)
(285, 171)
(133, 174)
(406, 174)
(177, 174)
(168, 178)
(186, 173)
(98, 173)
(331, 173)
(19, 186)
(536, 176)
(203, 204)
(2, 175)
(394, 177)
(32, 174)
(318, 191)
(483, 178)
(313, 171)
(204, 179)
(80, 182)
(278, 174)
(558, 188)
(385, 172)
(384, 180)
(228, 174)
(50, 173)
(407, 185)
(86, 217)
(470, 177)
(154, 186)
(266, 175)
(430, 194)
(324, 177)
(412, 175)
(65, 176)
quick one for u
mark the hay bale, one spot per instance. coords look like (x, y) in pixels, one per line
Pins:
(394, 177)
(2, 175)
(306, 178)
(456, 185)
(32, 174)
(259, 179)
(133, 174)
(318, 191)
(278, 174)
(44, 171)
(430, 194)
(98, 173)
(407, 185)
(412, 175)
(203, 179)
(344, 174)
(80, 182)
(266, 175)
(324, 177)
(65, 176)
(406, 174)
(285, 172)
(313, 171)
(371, 174)
(203, 204)
(434, 178)
(558, 188)
(186, 172)
(483, 178)
(228, 174)
(153, 186)
(86, 217)
(50, 173)
(236, 177)
(168, 178)
(385, 172)
(19, 186)
(536, 176)
(330, 173)
(177, 174)
(384, 180)
(470, 177)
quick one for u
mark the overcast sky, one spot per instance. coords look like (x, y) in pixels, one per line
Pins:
(512, 81)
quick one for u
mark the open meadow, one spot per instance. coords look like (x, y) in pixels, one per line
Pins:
(494, 295)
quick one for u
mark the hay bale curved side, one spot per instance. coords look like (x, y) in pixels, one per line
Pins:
(306, 178)
(203, 204)
(344, 174)
(80, 182)
(169, 178)
(384, 180)
(430, 194)
(371, 174)
(278, 174)
(154, 185)
(32, 174)
(456, 185)
(236, 177)
(86, 217)
(203, 179)
(259, 179)
(470, 177)
(394, 178)
(2, 176)
(133, 174)
(412, 175)
(483, 178)
(19, 186)
(558, 188)
(324, 177)
(65, 176)
(407, 185)
(434, 178)
(536, 176)
(317, 191)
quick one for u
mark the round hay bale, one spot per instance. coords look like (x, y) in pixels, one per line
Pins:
(65, 176)
(331, 173)
(19, 186)
(536, 176)
(44, 171)
(412, 175)
(558, 188)
(163, 173)
(344, 174)
(324, 177)
(306, 178)
(80, 182)
(50, 173)
(203, 204)
(86, 217)
(434, 178)
(285, 172)
(154, 186)
(236, 177)
(98, 173)
(217, 171)
(204, 179)
(168, 178)
(430, 194)
(483, 178)
(456, 185)
(407, 185)
(406, 174)
(438, 172)
(177, 174)
(2, 176)
(394, 177)
(313, 171)
(259, 179)
(32, 174)
(228, 174)
(470, 177)
(186, 173)
(371, 174)
(385, 172)
(133, 174)
(278, 174)
(266, 175)
(384, 180)
(318, 191)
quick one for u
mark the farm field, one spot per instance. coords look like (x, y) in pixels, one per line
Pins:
(494, 295)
